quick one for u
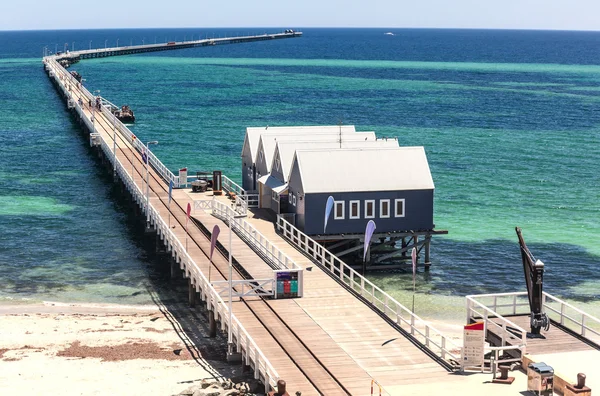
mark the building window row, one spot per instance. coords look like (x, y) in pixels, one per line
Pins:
(385, 211)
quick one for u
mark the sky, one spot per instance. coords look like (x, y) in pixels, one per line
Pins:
(490, 14)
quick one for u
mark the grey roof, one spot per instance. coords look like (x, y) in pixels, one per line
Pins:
(287, 149)
(269, 140)
(366, 169)
(253, 133)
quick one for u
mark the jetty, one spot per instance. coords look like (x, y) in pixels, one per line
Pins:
(288, 307)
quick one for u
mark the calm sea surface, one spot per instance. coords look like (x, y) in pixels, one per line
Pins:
(510, 121)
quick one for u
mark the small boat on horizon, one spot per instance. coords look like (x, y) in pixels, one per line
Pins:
(389, 34)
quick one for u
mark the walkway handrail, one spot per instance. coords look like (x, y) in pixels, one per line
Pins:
(427, 335)
(242, 338)
(473, 315)
(582, 325)
(165, 173)
(213, 299)
(231, 186)
(260, 242)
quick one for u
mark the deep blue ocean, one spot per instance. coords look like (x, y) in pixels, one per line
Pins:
(510, 121)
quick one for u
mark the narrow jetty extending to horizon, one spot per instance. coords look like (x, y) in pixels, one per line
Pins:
(336, 333)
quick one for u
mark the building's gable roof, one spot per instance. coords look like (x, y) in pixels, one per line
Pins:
(270, 140)
(253, 133)
(355, 170)
(286, 149)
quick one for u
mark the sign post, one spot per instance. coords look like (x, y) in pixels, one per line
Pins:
(473, 345)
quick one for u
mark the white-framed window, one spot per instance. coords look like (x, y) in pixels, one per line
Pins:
(399, 207)
(294, 199)
(276, 163)
(355, 209)
(370, 209)
(339, 209)
(384, 208)
(275, 196)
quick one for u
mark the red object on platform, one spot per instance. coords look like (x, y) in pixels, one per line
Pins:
(475, 326)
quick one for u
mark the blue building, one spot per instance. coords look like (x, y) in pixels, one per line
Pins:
(391, 186)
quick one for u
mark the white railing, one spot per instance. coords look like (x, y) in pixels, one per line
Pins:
(422, 331)
(572, 318)
(513, 338)
(254, 238)
(246, 287)
(487, 306)
(251, 200)
(232, 187)
(241, 206)
(244, 342)
(160, 168)
(202, 205)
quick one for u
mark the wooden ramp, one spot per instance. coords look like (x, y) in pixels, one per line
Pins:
(557, 339)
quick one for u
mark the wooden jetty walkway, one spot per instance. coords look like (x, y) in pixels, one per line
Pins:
(342, 336)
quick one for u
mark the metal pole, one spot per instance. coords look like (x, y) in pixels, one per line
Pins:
(105, 41)
(90, 44)
(114, 145)
(147, 188)
(148, 183)
(117, 43)
(230, 333)
(93, 115)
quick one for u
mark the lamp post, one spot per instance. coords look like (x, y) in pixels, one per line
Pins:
(117, 43)
(230, 327)
(148, 182)
(115, 145)
(105, 41)
(90, 44)
(96, 93)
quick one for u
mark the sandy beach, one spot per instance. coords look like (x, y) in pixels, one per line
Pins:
(65, 349)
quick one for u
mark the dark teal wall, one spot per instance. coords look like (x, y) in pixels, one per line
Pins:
(418, 212)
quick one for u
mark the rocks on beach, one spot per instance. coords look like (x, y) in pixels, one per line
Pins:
(225, 388)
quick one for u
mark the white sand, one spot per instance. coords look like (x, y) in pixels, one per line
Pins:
(100, 347)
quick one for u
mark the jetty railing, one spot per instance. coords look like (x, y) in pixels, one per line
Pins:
(567, 315)
(572, 317)
(158, 166)
(253, 237)
(507, 330)
(433, 339)
(244, 343)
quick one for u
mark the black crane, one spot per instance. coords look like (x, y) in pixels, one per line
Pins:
(534, 278)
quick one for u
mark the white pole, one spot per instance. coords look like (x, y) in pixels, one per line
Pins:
(148, 184)
(147, 187)
(114, 144)
(230, 333)
(93, 117)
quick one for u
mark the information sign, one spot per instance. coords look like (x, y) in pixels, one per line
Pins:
(473, 345)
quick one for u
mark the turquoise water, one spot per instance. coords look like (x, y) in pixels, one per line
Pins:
(509, 121)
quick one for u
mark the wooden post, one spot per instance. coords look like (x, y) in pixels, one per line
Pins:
(403, 247)
(173, 268)
(212, 324)
(191, 293)
(427, 255)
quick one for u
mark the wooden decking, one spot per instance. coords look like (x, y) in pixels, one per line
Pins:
(327, 342)
(556, 340)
